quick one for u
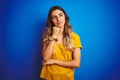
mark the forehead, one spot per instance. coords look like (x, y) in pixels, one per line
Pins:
(56, 12)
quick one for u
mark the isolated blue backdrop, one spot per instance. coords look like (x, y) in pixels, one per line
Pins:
(23, 22)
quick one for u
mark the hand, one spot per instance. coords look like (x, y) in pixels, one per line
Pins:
(50, 61)
(55, 32)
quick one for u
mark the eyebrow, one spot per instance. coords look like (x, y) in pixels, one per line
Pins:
(61, 13)
(58, 14)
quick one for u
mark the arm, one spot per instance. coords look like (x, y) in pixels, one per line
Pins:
(48, 50)
(75, 63)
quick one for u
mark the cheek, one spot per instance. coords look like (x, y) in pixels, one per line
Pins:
(63, 19)
(54, 21)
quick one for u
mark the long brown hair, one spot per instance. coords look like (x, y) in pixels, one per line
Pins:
(67, 40)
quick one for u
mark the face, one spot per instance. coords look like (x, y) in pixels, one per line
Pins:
(58, 18)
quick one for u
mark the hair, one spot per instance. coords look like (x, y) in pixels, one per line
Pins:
(67, 32)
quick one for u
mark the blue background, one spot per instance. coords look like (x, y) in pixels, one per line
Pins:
(22, 23)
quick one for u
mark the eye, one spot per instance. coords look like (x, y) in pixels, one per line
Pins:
(53, 17)
(61, 15)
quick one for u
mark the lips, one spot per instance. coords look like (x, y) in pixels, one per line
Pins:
(59, 23)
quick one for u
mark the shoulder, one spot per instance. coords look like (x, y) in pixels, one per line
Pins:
(75, 35)
(76, 40)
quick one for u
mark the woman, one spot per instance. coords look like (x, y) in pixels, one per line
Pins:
(61, 47)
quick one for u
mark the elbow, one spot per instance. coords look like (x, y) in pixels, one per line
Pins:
(45, 59)
(77, 66)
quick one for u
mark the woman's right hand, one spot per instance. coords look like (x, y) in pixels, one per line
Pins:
(55, 32)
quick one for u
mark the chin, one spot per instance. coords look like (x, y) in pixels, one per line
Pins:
(60, 26)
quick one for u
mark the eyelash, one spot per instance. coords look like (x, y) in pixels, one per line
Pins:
(61, 15)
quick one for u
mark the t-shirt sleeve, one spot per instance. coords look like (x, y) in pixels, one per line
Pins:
(77, 41)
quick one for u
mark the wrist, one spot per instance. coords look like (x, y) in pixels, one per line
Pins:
(53, 39)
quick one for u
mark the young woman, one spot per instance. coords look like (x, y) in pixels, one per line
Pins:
(61, 47)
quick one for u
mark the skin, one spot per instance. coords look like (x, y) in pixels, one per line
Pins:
(58, 19)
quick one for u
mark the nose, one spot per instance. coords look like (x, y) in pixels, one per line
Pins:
(58, 18)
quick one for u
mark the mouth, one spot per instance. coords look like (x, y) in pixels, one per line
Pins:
(59, 23)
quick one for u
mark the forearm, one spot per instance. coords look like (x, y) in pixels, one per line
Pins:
(47, 53)
(71, 63)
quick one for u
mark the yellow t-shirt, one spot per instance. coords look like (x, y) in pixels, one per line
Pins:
(55, 72)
